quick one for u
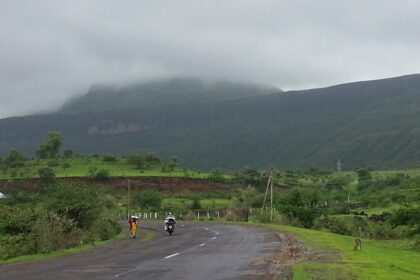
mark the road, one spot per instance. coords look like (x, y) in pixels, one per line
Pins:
(195, 251)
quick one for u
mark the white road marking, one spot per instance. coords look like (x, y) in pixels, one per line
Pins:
(173, 255)
(206, 228)
(213, 238)
(217, 233)
(202, 244)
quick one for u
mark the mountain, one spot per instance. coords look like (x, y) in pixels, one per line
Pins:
(374, 123)
(162, 92)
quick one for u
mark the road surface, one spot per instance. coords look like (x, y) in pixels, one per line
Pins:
(195, 251)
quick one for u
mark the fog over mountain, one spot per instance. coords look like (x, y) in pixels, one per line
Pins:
(53, 50)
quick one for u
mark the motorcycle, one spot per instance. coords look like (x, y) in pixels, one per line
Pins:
(170, 226)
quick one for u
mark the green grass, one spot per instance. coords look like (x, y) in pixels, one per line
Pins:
(145, 236)
(214, 204)
(79, 167)
(377, 260)
(180, 204)
(176, 204)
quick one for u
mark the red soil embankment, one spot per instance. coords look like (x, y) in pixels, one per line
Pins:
(176, 184)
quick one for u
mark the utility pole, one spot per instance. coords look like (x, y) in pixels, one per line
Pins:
(128, 199)
(266, 190)
(271, 181)
(269, 185)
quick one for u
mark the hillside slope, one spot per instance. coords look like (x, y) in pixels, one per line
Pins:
(374, 123)
(162, 92)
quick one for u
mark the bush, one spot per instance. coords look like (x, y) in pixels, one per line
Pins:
(15, 159)
(332, 225)
(46, 175)
(52, 232)
(409, 216)
(109, 159)
(79, 203)
(416, 243)
(143, 160)
(53, 163)
(106, 229)
(102, 174)
(150, 200)
(216, 176)
(196, 204)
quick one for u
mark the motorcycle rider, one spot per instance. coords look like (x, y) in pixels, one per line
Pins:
(170, 219)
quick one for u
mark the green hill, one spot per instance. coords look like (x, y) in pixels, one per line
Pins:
(162, 92)
(373, 123)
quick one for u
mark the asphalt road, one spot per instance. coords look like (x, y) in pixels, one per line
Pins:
(195, 251)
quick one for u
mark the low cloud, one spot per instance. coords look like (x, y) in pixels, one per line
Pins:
(52, 50)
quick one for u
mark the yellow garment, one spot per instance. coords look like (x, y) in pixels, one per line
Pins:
(133, 228)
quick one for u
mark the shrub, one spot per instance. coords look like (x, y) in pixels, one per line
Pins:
(196, 204)
(102, 174)
(53, 163)
(332, 225)
(109, 159)
(79, 203)
(150, 200)
(15, 159)
(106, 228)
(416, 243)
(46, 175)
(216, 176)
(92, 172)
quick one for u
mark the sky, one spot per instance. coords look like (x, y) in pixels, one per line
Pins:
(53, 50)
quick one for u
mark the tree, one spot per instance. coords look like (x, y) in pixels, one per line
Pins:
(173, 163)
(50, 147)
(46, 175)
(150, 200)
(102, 174)
(15, 159)
(137, 160)
(216, 175)
(300, 205)
(68, 153)
(80, 203)
(251, 176)
(364, 177)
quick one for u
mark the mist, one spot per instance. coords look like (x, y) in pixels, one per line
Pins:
(51, 51)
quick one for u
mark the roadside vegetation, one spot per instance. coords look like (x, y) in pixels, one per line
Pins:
(326, 210)
(60, 217)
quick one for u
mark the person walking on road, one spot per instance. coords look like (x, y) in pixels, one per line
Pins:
(133, 226)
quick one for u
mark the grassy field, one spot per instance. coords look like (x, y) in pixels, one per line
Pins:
(177, 204)
(377, 260)
(80, 166)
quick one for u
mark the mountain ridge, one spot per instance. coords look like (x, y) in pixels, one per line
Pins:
(162, 92)
(375, 123)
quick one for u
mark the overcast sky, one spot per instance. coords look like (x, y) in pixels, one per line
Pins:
(52, 50)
